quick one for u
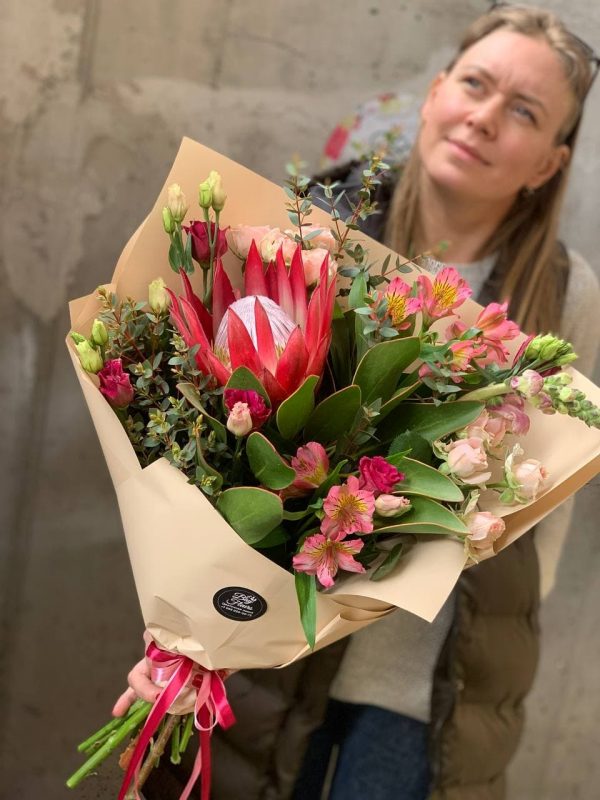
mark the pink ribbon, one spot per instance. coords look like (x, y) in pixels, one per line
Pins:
(211, 708)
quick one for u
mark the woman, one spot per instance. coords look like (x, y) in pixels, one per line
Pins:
(421, 710)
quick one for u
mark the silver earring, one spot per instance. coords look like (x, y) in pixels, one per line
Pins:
(527, 191)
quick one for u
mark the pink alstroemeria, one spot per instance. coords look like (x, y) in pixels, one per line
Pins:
(440, 297)
(512, 410)
(348, 509)
(311, 465)
(259, 412)
(496, 329)
(462, 353)
(400, 304)
(273, 330)
(377, 475)
(115, 384)
(323, 557)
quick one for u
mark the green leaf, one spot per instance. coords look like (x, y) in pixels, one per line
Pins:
(395, 400)
(334, 416)
(306, 590)
(356, 298)
(277, 536)
(430, 421)
(268, 466)
(388, 564)
(242, 378)
(424, 480)
(252, 512)
(414, 444)
(192, 395)
(427, 517)
(380, 368)
(293, 413)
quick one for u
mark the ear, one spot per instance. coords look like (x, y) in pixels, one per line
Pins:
(431, 95)
(557, 159)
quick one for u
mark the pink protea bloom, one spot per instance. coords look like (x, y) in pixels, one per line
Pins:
(512, 410)
(274, 330)
(323, 557)
(400, 304)
(377, 475)
(311, 465)
(348, 509)
(259, 412)
(440, 297)
(115, 384)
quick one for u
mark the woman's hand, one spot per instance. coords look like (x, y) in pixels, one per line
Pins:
(140, 686)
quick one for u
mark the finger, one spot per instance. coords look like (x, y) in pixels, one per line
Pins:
(123, 703)
(139, 680)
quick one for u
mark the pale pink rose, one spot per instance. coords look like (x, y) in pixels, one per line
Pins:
(467, 460)
(488, 428)
(324, 239)
(484, 528)
(312, 260)
(391, 505)
(272, 241)
(240, 238)
(239, 421)
(529, 476)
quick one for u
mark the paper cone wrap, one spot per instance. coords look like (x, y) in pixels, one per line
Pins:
(184, 554)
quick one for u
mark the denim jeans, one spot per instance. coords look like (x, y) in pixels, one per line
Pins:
(381, 756)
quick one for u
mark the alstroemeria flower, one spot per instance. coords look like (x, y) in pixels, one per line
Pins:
(200, 247)
(440, 297)
(377, 475)
(259, 412)
(348, 509)
(462, 354)
(400, 304)
(115, 384)
(273, 330)
(323, 557)
(311, 465)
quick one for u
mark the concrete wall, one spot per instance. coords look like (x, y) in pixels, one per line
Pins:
(95, 97)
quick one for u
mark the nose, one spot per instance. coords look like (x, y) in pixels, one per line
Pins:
(484, 116)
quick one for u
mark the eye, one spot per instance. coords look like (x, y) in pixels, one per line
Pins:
(472, 82)
(525, 113)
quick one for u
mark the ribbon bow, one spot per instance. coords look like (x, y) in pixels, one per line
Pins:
(211, 708)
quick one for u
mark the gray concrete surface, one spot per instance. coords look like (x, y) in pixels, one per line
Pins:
(94, 99)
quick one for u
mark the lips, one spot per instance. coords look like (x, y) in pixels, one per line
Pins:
(467, 150)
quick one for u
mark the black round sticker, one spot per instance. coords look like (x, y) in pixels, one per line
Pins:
(235, 602)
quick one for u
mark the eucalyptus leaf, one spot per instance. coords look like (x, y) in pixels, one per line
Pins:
(334, 416)
(430, 421)
(427, 517)
(242, 378)
(382, 365)
(421, 479)
(295, 410)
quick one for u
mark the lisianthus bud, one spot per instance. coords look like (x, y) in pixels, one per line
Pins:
(218, 194)
(239, 421)
(90, 358)
(115, 384)
(99, 332)
(77, 337)
(391, 505)
(158, 299)
(177, 203)
(168, 221)
(205, 195)
(528, 384)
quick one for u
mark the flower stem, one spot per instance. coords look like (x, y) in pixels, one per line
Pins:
(487, 392)
(103, 733)
(156, 751)
(129, 725)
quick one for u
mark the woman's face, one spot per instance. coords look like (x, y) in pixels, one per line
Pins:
(490, 125)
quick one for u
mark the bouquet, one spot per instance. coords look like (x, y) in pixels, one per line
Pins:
(304, 432)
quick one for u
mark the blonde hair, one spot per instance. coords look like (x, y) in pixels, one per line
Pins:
(526, 271)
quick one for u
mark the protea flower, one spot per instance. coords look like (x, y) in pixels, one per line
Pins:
(273, 330)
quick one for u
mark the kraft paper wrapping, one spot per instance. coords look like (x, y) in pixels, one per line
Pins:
(183, 552)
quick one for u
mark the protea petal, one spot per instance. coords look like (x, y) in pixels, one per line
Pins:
(198, 306)
(291, 367)
(242, 352)
(254, 277)
(317, 357)
(264, 337)
(271, 279)
(284, 289)
(277, 393)
(223, 295)
(298, 288)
